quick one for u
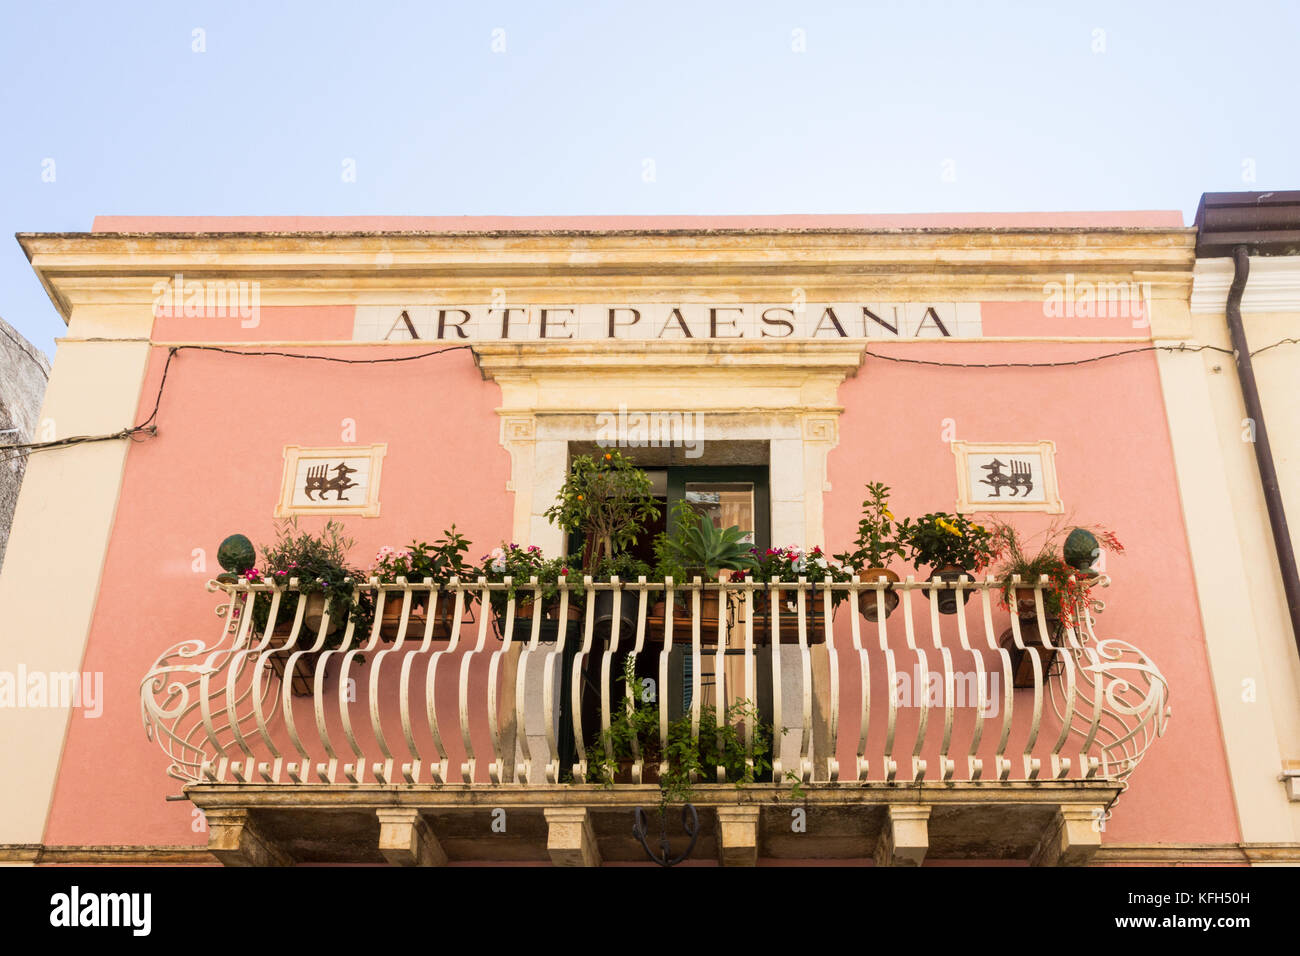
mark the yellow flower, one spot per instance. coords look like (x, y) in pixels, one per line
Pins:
(888, 514)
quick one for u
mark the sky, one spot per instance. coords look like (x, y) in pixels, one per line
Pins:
(323, 108)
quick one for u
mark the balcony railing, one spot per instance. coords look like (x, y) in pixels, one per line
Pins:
(405, 702)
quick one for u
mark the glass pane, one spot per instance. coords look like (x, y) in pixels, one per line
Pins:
(726, 503)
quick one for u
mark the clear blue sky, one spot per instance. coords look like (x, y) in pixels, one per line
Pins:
(1031, 115)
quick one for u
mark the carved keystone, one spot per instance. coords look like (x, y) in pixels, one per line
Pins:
(905, 837)
(1071, 839)
(234, 839)
(406, 839)
(738, 836)
(570, 838)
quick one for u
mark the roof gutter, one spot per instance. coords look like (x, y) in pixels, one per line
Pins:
(1239, 225)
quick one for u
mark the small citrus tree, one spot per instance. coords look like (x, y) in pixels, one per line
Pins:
(608, 500)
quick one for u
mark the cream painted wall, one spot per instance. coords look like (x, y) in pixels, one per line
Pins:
(1252, 651)
(61, 527)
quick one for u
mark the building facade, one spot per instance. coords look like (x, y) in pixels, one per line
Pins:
(400, 375)
(24, 371)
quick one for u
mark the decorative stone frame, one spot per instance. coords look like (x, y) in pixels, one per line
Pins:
(1051, 503)
(782, 393)
(295, 454)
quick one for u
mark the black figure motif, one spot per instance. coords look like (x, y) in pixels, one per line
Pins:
(1019, 478)
(319, 482)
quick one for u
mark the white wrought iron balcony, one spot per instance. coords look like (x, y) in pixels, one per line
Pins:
(443, 731)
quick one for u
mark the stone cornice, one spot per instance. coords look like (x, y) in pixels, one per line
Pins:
(828, 265)
(497, 360)
(1273, 285)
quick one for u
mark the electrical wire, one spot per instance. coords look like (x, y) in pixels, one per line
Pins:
(149, 427)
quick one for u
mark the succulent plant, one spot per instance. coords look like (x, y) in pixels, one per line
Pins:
(697, 546)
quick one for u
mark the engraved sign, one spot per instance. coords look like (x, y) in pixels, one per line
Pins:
(680, 321)
(1006, 476)
(331, 481)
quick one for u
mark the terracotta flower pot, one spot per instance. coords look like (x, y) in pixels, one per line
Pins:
(814, 617)
(867, 599)
(1022, 667)
(312, 615)
(947, 598)
(392, 618)
(683, 615)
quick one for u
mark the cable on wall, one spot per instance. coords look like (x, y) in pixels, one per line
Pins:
(149, 428)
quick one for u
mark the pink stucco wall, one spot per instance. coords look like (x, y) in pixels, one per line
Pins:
(215, 468)
(1115, 468)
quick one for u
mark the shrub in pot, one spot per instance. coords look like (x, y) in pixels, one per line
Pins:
(608, 500)
(877, 542)
(418, 562)
(328, 582)
(1068, 587)
(722, 742)
(951, 546)
(1066, 591)
(790, 565)
(696, 548)
(627, 569)
(520, 565)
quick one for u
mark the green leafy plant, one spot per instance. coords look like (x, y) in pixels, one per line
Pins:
(721, 743)
(791, 564)
(320, 564)
(878, 538)
(942, 540)
(441, 561)
(521, 564)
(623, 565)
(696, 547)
(1067, 587)
(608, 500)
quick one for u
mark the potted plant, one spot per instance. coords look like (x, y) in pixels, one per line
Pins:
(722, 742)
(952, 546)
(418, 562)
(1067, 590)
(696, 548)
(520, 565)
(791, 564)
(876, 543)
(328, 582)
(608, 500)
(627, 569)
